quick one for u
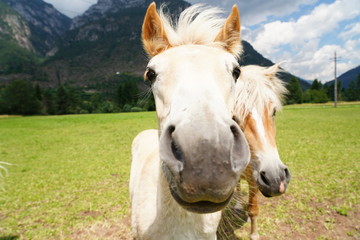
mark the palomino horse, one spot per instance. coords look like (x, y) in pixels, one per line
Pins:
(259, 95)
(195, 161)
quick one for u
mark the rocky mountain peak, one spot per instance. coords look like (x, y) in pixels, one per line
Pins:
(14, 28)
(103, 8)
(45, 22)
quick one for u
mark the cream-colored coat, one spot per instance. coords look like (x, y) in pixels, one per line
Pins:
(183, 92)
(155, 214)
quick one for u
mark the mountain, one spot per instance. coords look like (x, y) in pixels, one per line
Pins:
(16, 48)
(252, 57)
(43, 26)
(98, 46)
(347, 77)
(14, 28)
(105, 40)
(103, 8)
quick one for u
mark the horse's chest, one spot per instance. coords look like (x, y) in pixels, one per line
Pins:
(185, 226)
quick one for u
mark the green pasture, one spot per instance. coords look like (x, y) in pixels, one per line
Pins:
(69, 175)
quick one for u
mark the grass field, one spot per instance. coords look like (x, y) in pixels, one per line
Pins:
(69, 175)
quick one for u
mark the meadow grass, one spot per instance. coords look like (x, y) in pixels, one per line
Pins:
(71, 172)
(67, 171)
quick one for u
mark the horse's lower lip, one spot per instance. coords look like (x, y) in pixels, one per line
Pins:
(201, 206)
(268, 193)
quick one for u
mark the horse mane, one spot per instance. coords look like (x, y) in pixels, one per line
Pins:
(256, 88)
(198, 25)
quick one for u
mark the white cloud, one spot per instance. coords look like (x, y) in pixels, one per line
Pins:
(319, 64)
(323, 19)
(257, 11)
(300, 40)
(351, 31)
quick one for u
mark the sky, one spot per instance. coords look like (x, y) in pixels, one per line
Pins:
(303, 34)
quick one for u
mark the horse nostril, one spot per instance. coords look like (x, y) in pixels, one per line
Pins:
(171, 129)
(263, 178)
(176, 151)
(175, 148)
(234, 130)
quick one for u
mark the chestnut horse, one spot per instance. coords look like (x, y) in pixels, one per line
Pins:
(259, 96)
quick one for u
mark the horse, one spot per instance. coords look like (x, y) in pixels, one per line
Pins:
(185, 173)
(259, 94)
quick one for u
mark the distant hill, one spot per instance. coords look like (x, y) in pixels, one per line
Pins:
(347, 77)
(16, 49)
(28, 31)
(99, 44)
(252, 57)
(105, 40)
(14, 28)
(44, 24)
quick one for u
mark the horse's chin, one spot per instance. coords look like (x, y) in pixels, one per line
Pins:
(200, 206)
(196, 207)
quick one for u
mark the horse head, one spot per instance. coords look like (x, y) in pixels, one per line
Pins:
(192, 71)
(263, 92)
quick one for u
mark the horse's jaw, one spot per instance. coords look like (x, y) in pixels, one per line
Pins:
(270, 174)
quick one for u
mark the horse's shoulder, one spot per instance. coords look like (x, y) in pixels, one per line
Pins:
(144, 157)
(146, 137)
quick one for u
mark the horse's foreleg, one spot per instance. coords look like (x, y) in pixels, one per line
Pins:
(237, 196)
(253, 209)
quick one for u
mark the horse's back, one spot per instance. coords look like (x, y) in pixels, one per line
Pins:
(144, 176)
(144, 147)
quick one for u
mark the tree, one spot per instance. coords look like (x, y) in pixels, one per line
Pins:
(74, 98)
(330, 91)
(295, 92)
(352, 93)
(38, 93)
(49, 102)
(315, 96)
(127, 93)
(316, 93)
(62, 101)
(19, 97)
(316, 85)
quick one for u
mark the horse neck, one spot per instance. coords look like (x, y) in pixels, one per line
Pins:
(181, 224)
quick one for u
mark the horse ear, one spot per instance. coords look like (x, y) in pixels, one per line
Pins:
(153, 33)
(272, 71)
(230, 33)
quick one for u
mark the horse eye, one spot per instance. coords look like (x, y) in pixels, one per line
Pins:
(236, 73)
(274, 113)
(150, 75)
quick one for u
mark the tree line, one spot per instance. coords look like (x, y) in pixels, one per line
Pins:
(21, 97)
(321, 93)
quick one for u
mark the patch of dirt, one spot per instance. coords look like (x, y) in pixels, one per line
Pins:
(8, 116)
(90, 214)
(330, 225)
(105, 230)
(318, 220)
(323, 222)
